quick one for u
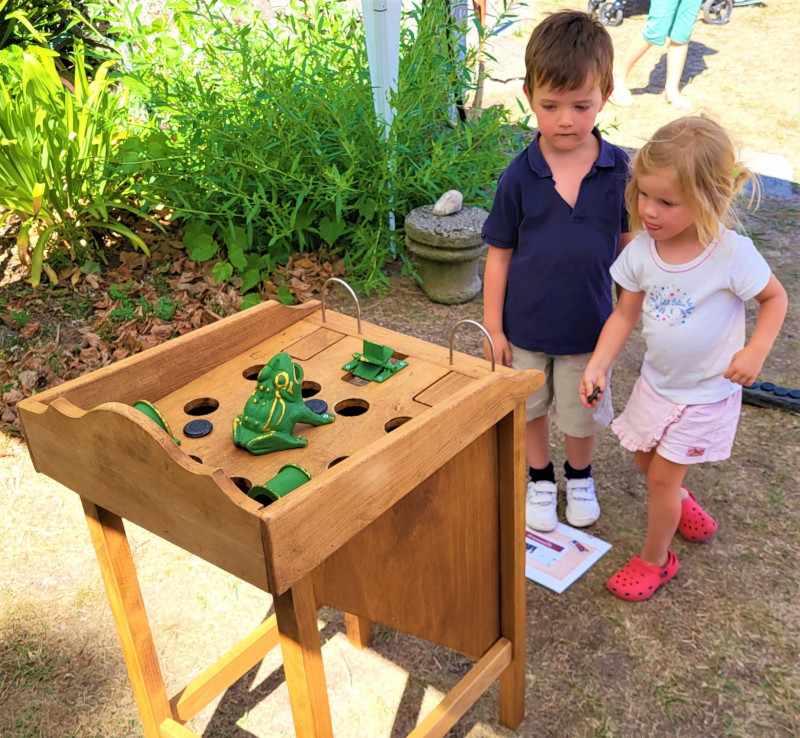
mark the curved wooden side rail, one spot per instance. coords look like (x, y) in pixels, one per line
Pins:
(120, 460)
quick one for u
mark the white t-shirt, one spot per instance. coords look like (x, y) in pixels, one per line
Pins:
(692, 314)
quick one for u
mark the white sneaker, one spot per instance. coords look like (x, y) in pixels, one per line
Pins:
(582, 506)
(540, 506)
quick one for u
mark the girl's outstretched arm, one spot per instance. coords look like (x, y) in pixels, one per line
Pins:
(615, 333)
(495, 281)
(746, 364)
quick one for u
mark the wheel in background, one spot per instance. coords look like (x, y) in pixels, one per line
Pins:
(593, 5)
(717, 12)
(609, 13)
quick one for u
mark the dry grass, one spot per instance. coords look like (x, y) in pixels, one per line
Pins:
(713, 654)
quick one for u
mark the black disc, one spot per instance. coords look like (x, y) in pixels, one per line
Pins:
(317, 406)
(197, 428)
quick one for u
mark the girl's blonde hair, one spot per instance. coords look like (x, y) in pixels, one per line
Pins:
(701, 153)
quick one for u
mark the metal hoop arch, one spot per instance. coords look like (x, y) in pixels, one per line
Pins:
(352, 294)
(475, 323)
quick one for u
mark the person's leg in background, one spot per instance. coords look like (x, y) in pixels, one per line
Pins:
(679, 34)
(660, 19)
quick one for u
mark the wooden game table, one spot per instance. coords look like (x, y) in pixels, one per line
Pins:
(413, 518)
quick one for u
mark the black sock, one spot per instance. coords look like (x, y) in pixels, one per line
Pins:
(571, 473)
(548, 474)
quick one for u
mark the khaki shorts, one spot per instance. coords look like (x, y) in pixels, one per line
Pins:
(560, 391)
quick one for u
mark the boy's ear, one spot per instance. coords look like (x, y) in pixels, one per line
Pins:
(605, 99)
(527, 93)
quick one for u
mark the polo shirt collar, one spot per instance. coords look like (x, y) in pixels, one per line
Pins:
(540, 167)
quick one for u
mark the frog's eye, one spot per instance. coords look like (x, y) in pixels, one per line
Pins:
(281, 380)
(298, 372)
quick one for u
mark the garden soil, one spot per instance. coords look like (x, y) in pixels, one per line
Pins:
(714, 653)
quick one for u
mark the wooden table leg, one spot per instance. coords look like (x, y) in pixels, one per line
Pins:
(125, 598)
(296, 614)
(359, 630)
(511, 463)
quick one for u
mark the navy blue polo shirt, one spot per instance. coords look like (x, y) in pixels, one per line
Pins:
(559, 285)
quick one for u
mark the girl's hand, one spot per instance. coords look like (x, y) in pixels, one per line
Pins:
(593, 384)
(745, 366)
(502, 351)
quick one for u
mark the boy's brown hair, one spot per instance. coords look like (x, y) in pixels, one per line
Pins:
(567, 49)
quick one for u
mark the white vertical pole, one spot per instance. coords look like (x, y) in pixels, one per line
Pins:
(459, 13)
(382, 31)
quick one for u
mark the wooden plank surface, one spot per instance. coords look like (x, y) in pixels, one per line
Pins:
(296, 613)
(512, 472)
(433, 353)
(228, 388)
(306, 527)
(429, 566)
(359, 630)
(172, 729)
(225, 671)
(459, 699)
(112, 456)
(174, 363)
(444, 388)
(127, 607)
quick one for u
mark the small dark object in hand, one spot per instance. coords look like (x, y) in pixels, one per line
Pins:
(591, 398)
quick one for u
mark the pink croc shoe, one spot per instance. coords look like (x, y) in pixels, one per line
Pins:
(695, 524)
(638, 580)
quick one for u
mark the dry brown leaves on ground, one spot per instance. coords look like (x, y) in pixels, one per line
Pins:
(89, 320)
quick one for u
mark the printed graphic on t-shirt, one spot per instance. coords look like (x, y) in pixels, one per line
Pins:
(669, 305)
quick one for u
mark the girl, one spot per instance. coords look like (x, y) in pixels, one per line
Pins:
(689, 277)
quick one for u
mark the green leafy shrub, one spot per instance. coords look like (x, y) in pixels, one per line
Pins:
(55, 145)
(50, 23)
(263, 137)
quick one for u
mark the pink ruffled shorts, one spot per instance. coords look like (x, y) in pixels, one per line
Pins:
(684, 434)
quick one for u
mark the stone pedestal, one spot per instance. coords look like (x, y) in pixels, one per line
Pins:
(446, 249)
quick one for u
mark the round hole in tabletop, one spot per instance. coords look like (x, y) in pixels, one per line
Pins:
(310, 388)
(351, 407)
(196, 458)
(394, 423)
(242, 483)
(336, 461)
(252, 372)
(201, 406)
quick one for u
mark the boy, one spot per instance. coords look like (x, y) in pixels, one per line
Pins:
(556, 225)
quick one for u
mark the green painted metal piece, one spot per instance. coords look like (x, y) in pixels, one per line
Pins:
(271, 412)
(288, 479)
(375, 363)
(152, 412)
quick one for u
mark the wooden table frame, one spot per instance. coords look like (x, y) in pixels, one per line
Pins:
(446, 489)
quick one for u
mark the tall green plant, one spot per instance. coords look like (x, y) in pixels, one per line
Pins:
(262, 134)
(43, 22)
(55, 144)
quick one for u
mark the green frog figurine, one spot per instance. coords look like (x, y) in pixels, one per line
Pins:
(266, 423)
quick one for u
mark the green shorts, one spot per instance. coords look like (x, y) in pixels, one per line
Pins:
(561, 392)
(673, 18)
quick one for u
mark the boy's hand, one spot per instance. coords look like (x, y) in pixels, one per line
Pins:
(745, 366)
(593, 384)
(502, 351)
